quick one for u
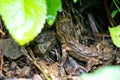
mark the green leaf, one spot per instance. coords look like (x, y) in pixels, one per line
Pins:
(104, 73)
(114, 12)
(115, 34)
(24, 19)
(75, 1)
(52, 7)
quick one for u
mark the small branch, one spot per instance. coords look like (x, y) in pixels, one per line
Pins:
(111, 21)
(34, 62)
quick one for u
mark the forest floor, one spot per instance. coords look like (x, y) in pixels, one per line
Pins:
(79, 42)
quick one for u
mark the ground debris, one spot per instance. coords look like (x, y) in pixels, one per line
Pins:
(11, 48)
(77, 43)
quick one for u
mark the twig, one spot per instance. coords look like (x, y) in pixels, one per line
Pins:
(34, 62)
(111, 21)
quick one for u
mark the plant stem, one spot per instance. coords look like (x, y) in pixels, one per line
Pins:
(116, 5)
